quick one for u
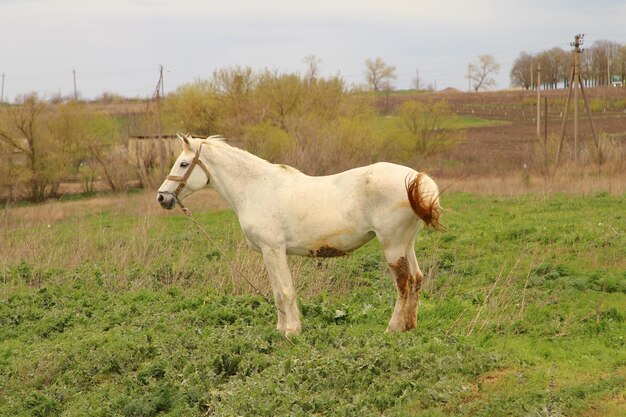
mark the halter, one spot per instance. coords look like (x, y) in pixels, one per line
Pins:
(183, 179)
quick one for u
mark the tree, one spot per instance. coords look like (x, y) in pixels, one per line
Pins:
(619, 68)
(604, 55)
(422, 124)
(312, 68)
(197, 108)
(282, 95)
(24, 130)
(521, 71)
(377, 73)
(91, 146)
(555, 67)
(482, 71)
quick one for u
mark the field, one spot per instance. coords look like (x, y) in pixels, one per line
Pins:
(111, 306)
(505, 144)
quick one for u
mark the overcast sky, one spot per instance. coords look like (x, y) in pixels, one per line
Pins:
(117, 45)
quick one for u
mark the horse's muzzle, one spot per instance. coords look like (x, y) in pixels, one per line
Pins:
(167, 201)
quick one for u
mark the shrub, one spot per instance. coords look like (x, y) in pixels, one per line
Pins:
(268, 142)
(423, 127)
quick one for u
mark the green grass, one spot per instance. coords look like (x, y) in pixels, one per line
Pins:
(522, 314)
(456, 122)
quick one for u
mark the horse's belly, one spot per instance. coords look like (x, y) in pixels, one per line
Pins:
(339, 243)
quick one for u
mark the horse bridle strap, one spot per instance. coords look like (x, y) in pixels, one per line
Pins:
(183, 179)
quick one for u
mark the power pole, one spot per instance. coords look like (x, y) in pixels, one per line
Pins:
(2, 93)
(575, 82)
(158, 93)
(417, 79)
(539, 102)
(75, 91)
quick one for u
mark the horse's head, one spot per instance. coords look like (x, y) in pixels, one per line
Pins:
(184, 179)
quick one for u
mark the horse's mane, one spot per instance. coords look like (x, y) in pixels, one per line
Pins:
(218, 138)
(222, 139)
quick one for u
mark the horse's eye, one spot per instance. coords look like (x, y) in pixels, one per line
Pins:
(184, 164)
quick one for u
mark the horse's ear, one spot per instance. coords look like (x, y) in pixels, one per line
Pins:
(184, 141)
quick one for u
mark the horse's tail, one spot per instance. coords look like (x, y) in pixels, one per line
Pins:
(423, 196)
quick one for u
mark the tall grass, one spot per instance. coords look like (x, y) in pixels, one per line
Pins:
(129, 242)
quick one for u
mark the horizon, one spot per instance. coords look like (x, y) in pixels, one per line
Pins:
(117, 47)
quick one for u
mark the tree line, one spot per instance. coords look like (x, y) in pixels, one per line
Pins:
(598, 65)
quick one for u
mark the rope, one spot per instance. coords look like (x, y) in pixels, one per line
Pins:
(230, 263)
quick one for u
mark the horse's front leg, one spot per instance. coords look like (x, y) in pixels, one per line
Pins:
(283, 289)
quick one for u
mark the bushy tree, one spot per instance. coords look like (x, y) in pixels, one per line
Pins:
(423, 128)
(268, 142)
(58, 142)
(24, 129)
(197, 107)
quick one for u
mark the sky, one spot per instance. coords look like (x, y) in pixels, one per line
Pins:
(117, 46)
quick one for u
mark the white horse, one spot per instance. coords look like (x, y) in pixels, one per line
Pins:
(285, 212)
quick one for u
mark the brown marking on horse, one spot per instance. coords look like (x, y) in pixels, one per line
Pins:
(408, 290)
(403, 277)
(326, 251)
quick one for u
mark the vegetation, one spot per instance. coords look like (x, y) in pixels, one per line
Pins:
(378, 74)
(109, 307)
(314, 123)
(56, 142)
(598, 64)
(481, 73)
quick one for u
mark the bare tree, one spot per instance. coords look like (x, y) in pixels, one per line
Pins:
(313, 68)
(377, 73)
(619, 68)
(482, 71)
(555, 67)
(521, 71)
(604, 54)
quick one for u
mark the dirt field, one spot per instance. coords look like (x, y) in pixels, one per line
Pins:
(497, 150)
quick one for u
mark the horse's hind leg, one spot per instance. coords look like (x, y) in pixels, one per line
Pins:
(408, 277)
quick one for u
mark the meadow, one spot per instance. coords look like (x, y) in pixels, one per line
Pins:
(110, 306)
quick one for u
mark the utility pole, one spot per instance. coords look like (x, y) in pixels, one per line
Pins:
(158, 93)
(417, 79)
(577, 52)
(75, 91)
(539, 102)
(2, 93)
(575, 82)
